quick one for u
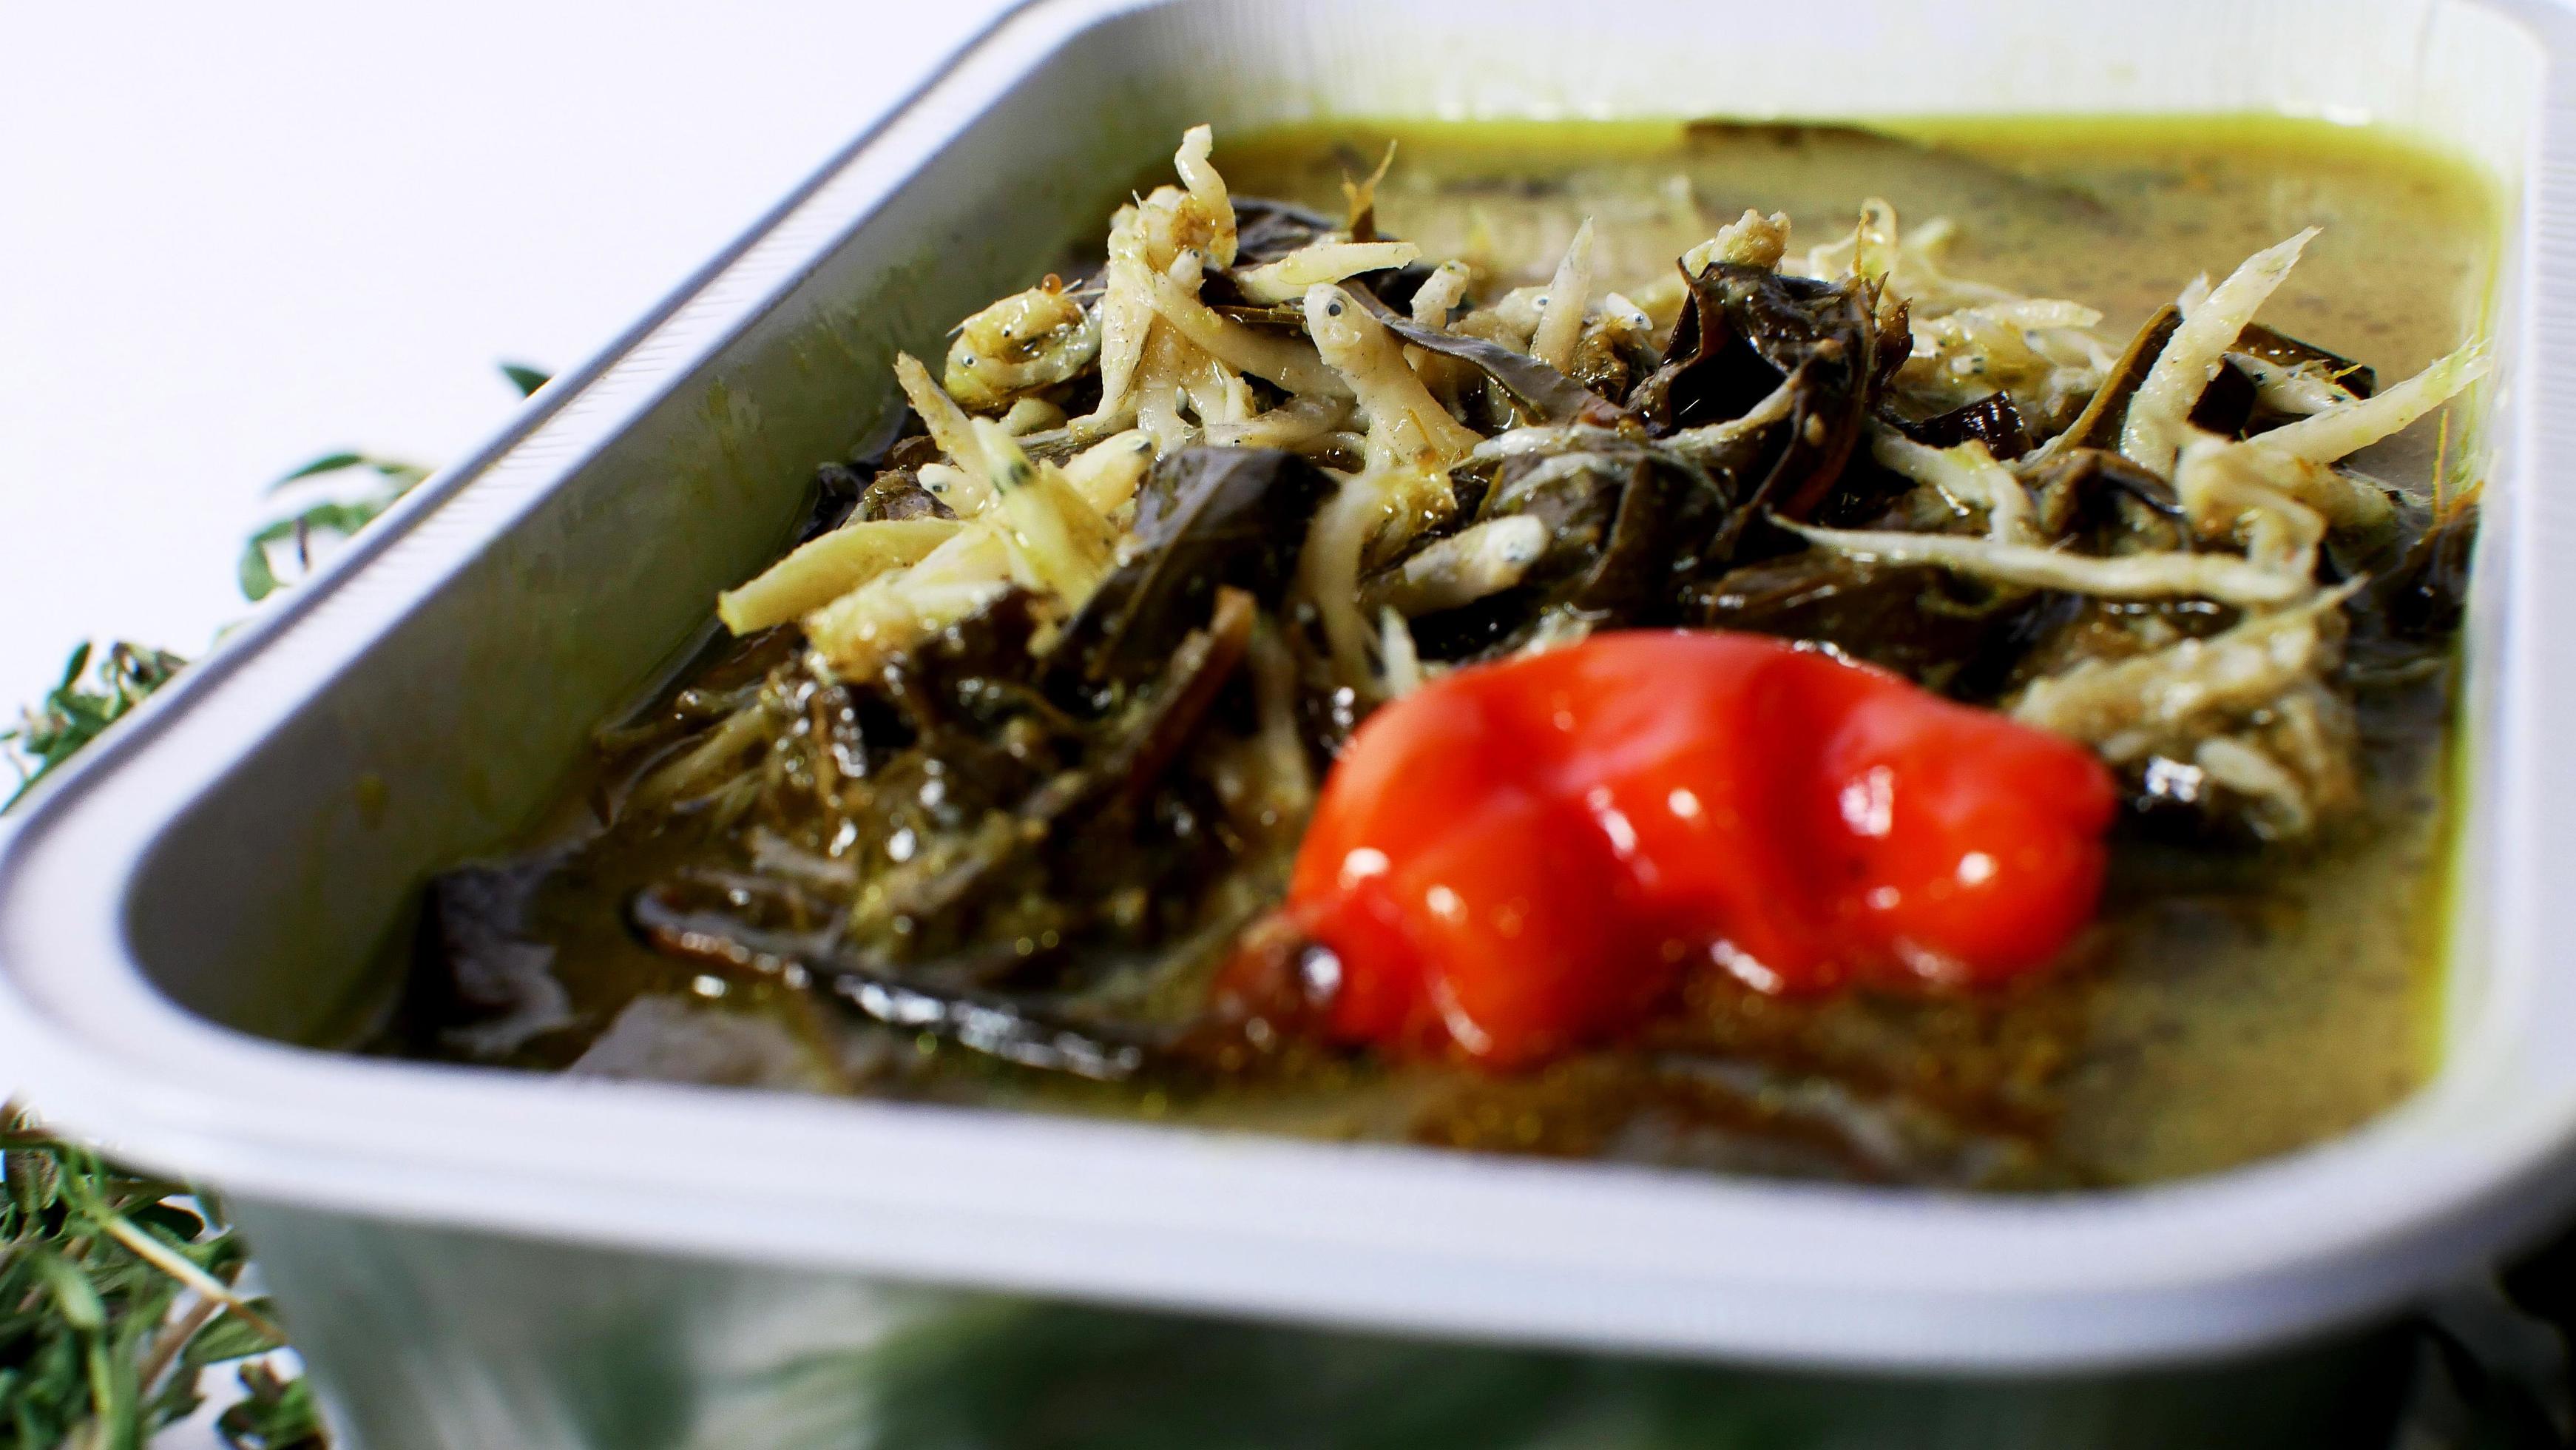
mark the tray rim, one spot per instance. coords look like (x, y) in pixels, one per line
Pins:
(2190, 1269)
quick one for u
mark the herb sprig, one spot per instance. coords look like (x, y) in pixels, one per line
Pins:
(336, 519)
(116, 1290)
(73, 713)
(330, 519)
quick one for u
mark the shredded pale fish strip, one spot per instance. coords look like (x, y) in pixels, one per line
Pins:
(1968, 473)
(2347, 428)
(2171, 575)
(2191, 357)
(1560, 322)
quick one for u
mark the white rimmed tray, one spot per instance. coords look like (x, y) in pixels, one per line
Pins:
(216, 882)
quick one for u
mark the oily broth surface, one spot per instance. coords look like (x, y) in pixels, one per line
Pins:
(2116, 214)
(2233, 1017)
(2226, 1008)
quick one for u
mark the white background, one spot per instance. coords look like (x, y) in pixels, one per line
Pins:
(234, 237)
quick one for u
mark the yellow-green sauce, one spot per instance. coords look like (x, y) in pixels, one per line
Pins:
(2215, 1034)
(2227, 1007)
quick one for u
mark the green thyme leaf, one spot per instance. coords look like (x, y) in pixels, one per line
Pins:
(276, 1413)
(327, 463)
(525, 378)
(267, 567)
(74, 713)
(79, 1302)
(394, 470)
(258, 580)
(231, 1337)
(116, 1290)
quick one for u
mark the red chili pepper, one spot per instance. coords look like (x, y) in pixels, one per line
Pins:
(1520, 858)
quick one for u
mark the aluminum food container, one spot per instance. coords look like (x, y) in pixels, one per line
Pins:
(195, 915)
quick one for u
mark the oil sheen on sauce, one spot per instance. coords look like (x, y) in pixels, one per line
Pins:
(2227, 1006)
(2233, 1019)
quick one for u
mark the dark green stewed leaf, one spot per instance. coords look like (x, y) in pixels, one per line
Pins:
(1744, 334)
(2094, 490)
(1266, 230)
(1627, 526)
(2232, 405)
(2426, 594)
(2098, 426)
(1015, 1031)
(1906, 619)
(2226, 407)
(1206, 518)
(2358, 379)
(945, 939)
(1991, 420)
(1622, 526)
(1551, 396)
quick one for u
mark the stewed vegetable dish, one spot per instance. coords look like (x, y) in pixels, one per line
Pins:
(1919, 656)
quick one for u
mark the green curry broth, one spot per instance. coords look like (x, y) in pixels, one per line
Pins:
(2224, 1007)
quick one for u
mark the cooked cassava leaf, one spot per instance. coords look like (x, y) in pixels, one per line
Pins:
(1206, 518)
(1993, 420)
(1746, 334)
(1198, 528)
(1266, 230)
(2098, 426)
(1014, 1030)
(2258, 341)
(1907, 619)
(1552, 397)
(1625, 524)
